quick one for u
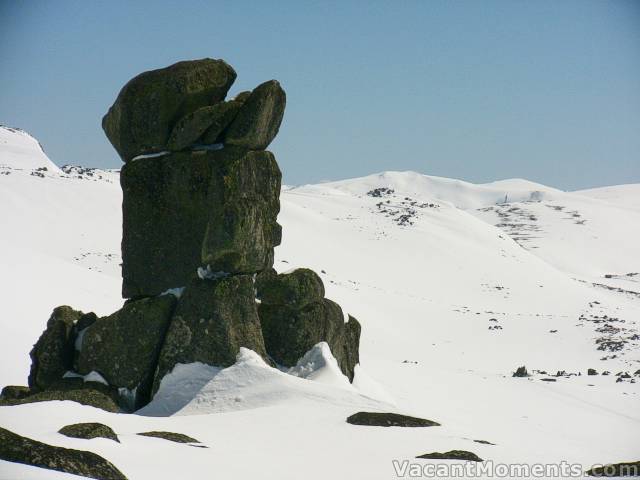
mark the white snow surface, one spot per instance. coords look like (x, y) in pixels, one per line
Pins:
(430, 294)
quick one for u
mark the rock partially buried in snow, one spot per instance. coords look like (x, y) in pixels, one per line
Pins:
(383, 419)
(15, 448)
(289, 332)
(142, 117)
(623, 469)
(124, 346)
(213, 319)
(53, 353)
(171, 436)
(87, 431)
(72, 389)
(452, 455)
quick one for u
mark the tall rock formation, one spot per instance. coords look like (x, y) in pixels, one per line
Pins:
(200, 204)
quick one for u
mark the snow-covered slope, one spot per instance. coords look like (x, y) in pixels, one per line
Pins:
(450, 305)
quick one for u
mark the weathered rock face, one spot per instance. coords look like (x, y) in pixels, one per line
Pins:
(73, 389)
(189, 209)
(52, 355)
(225, 113)
(260, 117)
(213, 319)
(148, 106)
(242, 230)
(295, 316)
(15, 448)
(296, 289)
(124, 346)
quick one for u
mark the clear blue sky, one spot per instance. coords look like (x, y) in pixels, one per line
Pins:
(478, 90)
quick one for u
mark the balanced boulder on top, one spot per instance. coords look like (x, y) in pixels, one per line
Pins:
(148, 106)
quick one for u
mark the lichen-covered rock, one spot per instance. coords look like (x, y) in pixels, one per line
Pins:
(297, 288)
(213, 319)
(225, 113)
(259, 119)
(350, 353)
(52, 355)
(203, 126)
(452, 455)
(388, 419)
(87, 431)
(124, 346)
(623, 469)
(19, 449)
(189, 209)
(92, 394)
(242, 230)
(289, 332)
(148, 106)
(14, 392)
(171, 436)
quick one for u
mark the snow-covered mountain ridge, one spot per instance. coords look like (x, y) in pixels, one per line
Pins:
(455, 285)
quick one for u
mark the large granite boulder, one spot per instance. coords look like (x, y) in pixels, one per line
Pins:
(124, 346)
(259, 119)
(148, 106)
(19, 449)
(52, 355)
(213, 319)
(189, 209)
(297, 288)
(289, 332)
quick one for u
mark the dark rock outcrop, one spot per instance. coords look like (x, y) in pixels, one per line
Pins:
(296, 289)
(148, 106)
(295, 316)
(171, 436)
(452, 455)
(200, 206)
(213, 319)
(225, 113)
(259, 119)
(384, 419)
(52, 355)
(87, 431)
(242, 230)
(189, 209)
(521, 372)
(14, 392)
(124, 346)
(623, 469)
(93, 394)
(19, 449)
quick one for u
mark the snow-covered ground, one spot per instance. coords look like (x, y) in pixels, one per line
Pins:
(455, 285)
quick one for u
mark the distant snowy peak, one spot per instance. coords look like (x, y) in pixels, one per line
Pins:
(461, 194)
(623, 195)
(21, 151)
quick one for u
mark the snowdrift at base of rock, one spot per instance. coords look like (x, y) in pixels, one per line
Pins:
(197, 389)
